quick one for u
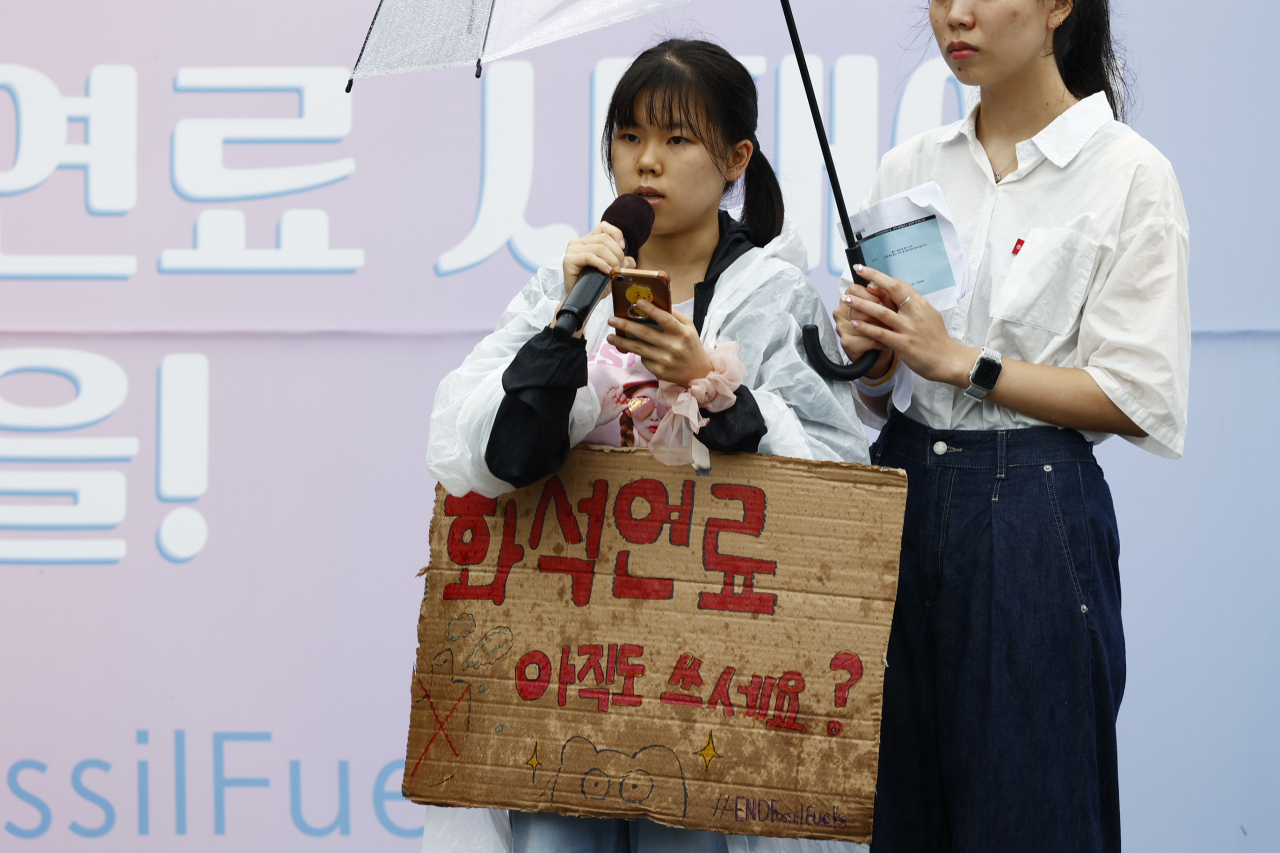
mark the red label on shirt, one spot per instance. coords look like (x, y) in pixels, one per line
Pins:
(1017, 247)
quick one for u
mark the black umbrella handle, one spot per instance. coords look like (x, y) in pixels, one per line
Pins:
(835, 371)
(825, 367)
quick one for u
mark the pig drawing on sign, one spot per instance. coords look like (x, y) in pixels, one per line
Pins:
(648, 781)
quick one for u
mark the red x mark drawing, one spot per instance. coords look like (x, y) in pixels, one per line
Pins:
(439, 723)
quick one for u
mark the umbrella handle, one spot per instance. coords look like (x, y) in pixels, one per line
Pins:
(828, 369)
(825, 367)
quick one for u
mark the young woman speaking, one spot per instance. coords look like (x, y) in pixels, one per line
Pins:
(681, 132)
(1006, 658)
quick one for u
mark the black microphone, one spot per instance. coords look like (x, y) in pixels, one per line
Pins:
(631, 215)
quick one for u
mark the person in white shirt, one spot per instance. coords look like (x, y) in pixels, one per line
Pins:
(1006, 658)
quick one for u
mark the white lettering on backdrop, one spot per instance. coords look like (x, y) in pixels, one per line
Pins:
(324, 115)
(97, 497)
(801, 171)
(507, 155)
(506, 178)
(507, 160)
(109, 157)
(199, 174)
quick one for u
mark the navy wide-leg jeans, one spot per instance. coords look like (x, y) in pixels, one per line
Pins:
(1006, 657)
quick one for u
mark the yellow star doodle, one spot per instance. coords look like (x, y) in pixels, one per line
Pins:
(533, 760)
(708, 753)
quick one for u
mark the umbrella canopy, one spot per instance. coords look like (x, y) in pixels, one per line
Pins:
(411, 35)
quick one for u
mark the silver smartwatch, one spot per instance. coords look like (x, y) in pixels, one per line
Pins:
(985, 374)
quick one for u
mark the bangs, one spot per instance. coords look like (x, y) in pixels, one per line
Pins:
(662, 94)
(678, 105)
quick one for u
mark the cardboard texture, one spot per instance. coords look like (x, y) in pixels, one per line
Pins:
(628, 639)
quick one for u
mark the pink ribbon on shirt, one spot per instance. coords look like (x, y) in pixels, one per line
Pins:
(672, 444)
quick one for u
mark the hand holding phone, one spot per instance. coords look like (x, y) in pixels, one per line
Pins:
(630, 286)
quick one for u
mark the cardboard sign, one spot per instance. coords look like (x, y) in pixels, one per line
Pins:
(628, 639)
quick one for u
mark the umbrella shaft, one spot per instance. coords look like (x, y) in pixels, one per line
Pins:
(817, 123)
(363, 45)
(485, 43)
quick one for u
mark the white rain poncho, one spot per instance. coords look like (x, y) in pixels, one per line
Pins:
(761, 301)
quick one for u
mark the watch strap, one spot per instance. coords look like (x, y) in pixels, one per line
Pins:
(977, 392)
(988, 356)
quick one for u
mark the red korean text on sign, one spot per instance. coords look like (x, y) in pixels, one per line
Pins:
(629, 672)
(594, 655)
(580, 571)
(733, 568)
(594, 507)
(553, 494)
(685, 676)
(758, 692)
(786, 710)
(603, 669)
(646, 530)
(469, 532)
(533, 688)
(720, 693)
(471, 511)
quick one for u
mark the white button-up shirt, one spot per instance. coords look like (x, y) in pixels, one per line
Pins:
(1079, 259)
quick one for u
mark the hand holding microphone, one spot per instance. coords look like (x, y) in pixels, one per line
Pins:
(623, 230)
(603, 248)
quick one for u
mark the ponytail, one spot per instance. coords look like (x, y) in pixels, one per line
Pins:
(701, 86)
(1086, 54)
(762, 208)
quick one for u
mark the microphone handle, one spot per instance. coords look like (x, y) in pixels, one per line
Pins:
(577, 307)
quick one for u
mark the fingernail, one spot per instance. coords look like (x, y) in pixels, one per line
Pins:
(849, 299)
(871, 285)
(856, 324)
(858, 267)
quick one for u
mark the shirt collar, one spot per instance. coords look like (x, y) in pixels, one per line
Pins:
(967, 126)
(1062, 140)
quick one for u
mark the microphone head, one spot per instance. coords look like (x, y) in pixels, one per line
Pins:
(633, 216)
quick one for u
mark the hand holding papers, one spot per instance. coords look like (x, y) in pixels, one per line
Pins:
(911, 237)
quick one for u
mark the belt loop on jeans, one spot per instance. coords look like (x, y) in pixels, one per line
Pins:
(1002, 456)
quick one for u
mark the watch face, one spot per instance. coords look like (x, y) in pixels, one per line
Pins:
(985, 373)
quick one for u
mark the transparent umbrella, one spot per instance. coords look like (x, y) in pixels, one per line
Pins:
(414, 35)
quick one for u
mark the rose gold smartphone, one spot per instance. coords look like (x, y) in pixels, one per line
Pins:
(630, 286)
